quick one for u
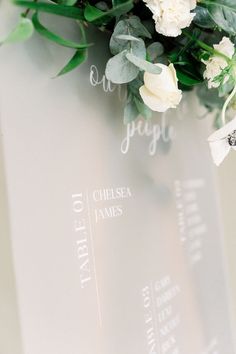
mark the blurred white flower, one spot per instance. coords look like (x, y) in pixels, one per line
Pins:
(171, 16)
(160, 91)
(222, 141)
(216, 63)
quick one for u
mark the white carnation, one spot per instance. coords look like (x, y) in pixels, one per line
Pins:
(171, 16)
(216, 63)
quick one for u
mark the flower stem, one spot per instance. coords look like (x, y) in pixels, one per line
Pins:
(206, 46)
(226, 104)
(25, 14)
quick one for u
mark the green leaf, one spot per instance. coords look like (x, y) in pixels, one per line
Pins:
(21, 32)
(143, 64)
(155, 50)
(61, 10)
(223, 12)
(185, 79)
(67, 2)
(96, 16)
(92, 13)
(78, 58)
(120, 70)
(121, 9)
(203, 18)
(117, 2)
(54, 37)
(145, 111)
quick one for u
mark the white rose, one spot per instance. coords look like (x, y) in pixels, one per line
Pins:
(216, 63)
(171, 16)
(222, 141)
(160, 91)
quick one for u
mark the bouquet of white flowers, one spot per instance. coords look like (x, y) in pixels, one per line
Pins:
(159, 48)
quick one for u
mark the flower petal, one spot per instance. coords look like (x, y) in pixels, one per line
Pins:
(173, 71)
(225, 46)
(224, 131)
(193, 4)
(163, 81)
(169, 29)
(154, 102)
(219, 150)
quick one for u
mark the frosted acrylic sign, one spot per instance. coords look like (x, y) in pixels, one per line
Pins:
(115, 230)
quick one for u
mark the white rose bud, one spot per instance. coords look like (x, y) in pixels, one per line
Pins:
(160, 91)
(171, 16)
(216, 63)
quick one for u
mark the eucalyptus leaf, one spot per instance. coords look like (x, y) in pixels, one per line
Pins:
(133, 86)
(209, 98)
(130, 112)
(136, 27)
(61, 10)
(132, 26)
(21, 32)
(145, 111)
(96, 16)
(155, 50)
(137, 47)
(223, 12)
(78, 58)
(102, 5)
(163, 59)
(120, 70)
(43, 31)
(203, 18)
(127, 37)
(143, 64)
(128, 27)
